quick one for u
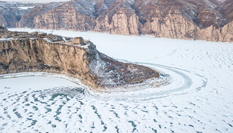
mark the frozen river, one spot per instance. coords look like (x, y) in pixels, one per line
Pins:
(199, 98)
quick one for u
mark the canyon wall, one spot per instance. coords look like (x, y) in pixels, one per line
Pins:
(11, 12)
(208, 20)
(38, 56)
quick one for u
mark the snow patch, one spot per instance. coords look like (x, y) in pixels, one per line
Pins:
(25, 7)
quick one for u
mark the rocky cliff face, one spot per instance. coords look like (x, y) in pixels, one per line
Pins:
(11, 12)
(66, 17)
(35, 52)
(209, 20)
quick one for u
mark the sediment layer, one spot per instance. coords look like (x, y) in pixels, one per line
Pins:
(208, 20)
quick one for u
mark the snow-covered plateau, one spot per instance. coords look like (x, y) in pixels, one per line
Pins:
(198, 97)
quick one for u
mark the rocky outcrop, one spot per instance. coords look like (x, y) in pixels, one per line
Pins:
(35, 52)
(64, 17)
(174, 25)
(2, 21)
(11, 12)
(227, 32)
(27, 20)
(2, 29)
(208, 20)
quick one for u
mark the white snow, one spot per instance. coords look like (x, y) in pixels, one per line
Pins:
(6, 39)
(32, 81)
(198, 99)
(25, 7)
(47, 40)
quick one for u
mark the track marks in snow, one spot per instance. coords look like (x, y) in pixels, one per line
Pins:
(207, 109)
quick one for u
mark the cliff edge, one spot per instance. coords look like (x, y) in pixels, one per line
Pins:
(40, 52)
(210, 20)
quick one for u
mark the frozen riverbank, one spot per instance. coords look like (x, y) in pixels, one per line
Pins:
(202, 64)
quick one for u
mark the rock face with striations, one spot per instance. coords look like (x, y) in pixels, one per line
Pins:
(11, 12)
(35, 52)
(209, 20)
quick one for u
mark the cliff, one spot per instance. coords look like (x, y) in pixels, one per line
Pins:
(11, 12)
(35, 52)
(209, 20)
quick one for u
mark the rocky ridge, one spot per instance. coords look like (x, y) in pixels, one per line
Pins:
(209, 20)
(40, 52)
(11, 12)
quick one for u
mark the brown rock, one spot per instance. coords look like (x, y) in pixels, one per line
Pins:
(78, 40)
(93, 68)
(208, 20)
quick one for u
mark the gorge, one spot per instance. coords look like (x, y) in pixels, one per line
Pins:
(209, 20)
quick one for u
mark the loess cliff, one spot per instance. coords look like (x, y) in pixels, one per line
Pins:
(11, 12)
(209, 20)
(36, 52)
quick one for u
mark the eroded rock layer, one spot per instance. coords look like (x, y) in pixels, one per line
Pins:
(11, 12)
(36, 52)
(209, 20)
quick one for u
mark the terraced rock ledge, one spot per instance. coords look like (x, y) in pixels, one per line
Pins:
(74, 57)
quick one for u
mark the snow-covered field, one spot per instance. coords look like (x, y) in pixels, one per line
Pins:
(199, 98)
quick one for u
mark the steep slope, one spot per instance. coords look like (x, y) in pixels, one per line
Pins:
(226, 9)
(27, 20)
(183, 19)
(11, 12)
(120, 18)
(75, 15)
(36, 52)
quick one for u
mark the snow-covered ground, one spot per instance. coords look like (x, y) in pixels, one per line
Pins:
(199, 98)
(25, 7)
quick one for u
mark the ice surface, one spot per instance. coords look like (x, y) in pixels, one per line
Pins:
(198, 99)
(32, 81)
